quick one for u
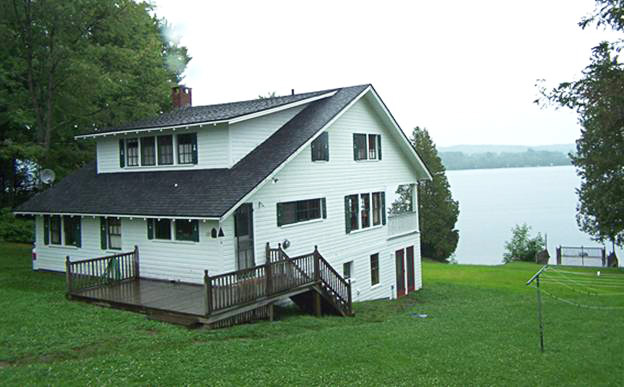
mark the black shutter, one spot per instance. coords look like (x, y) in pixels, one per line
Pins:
(324, 207)
(194, 147)
(78, 231)
(150, 229)
(279, 214)
(355, 149)
(313, 150)
(46, 229)
(383, 208)
(195, 230)
(347, 215)
(103, 234)
(379, 146)
(122, 154)
(325, 146)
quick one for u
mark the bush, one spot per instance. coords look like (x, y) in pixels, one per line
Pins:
(14, 229)
(522, 247)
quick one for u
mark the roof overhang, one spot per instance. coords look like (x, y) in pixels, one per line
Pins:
(93, 215)
(206, 123)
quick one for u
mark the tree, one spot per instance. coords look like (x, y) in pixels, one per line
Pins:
(522, 247)
(73, 65)
(598, 99)
(438, 210)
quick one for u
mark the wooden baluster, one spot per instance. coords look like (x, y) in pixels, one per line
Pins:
(268, 275)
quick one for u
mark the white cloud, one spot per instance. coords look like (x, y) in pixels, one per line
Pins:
(465, 70)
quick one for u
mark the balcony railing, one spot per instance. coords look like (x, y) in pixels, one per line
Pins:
(399, 224)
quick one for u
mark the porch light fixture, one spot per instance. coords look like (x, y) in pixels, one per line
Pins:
(286, 243)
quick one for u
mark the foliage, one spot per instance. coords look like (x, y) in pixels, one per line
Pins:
(438, 212)
(523, 247)
(598, 99)
(49, 340)
(271, 94)
(530, 158)
(70, 66)
(403, 202)
(14, 229)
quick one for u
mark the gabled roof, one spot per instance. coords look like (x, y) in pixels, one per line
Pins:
(208, 114)
(202, 193)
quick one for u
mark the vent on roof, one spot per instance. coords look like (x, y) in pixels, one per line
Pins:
(181, 96)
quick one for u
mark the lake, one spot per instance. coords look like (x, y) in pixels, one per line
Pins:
(492, 201)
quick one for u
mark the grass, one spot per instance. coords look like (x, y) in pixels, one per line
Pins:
(481, 330)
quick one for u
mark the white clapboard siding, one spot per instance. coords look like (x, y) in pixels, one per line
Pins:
(303, 179)
(171, 260)
(212, 149)
(247, 135)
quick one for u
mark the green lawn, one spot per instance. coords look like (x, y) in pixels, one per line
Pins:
(481, 330)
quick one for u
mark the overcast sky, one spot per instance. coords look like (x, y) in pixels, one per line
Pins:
(466, 70)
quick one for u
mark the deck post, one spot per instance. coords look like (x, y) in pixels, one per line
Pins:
(268, 275)
(350, 297)
(136, 262)
(68, 277)
(317, 265)
(207, 293)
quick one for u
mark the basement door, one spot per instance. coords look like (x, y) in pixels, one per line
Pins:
(400, 272)
(243, 231)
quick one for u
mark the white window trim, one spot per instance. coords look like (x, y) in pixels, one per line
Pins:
(370, 216)
(156, 165)
(313, 197)
(173, 232)
(367, 159)
(305, 222)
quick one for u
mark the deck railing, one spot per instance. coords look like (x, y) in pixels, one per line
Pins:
(279, 274)
(404, 223)
(102, 271)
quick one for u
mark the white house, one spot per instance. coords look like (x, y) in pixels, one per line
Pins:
(207, 187)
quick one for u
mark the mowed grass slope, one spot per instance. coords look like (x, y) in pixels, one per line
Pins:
(481, 330)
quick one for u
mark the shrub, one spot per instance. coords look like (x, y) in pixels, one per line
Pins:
(522, 247)
(14, 229)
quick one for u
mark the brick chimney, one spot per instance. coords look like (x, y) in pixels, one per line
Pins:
(181, 96)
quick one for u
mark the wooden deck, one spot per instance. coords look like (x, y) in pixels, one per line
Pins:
(149, 295)
(223, 300)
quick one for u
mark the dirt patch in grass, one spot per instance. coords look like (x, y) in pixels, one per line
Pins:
(4, 364)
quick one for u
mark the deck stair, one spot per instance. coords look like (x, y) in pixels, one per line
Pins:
(226, 299)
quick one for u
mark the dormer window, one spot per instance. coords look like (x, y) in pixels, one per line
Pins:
(187, 148)
(132, 152)
(165, 150)
(158, 150)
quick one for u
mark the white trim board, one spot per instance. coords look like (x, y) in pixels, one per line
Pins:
(86, 215)
(214, 123)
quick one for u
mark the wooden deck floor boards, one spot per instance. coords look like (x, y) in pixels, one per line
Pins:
(153, 294)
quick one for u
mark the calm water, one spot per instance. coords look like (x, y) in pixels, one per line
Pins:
(492, 201)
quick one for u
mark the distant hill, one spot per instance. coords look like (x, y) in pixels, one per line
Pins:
(504, 156)
(471, 149)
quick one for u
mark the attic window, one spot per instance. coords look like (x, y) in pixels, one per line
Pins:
(320, 148)
(366, 146)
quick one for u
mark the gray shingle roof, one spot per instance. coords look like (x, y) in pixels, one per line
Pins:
(209, 113)
(200, 193)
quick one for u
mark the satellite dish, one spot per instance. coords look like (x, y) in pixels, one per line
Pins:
(47, 176)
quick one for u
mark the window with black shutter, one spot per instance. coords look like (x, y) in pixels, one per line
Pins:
(300, 211)
(132, 152)
(320, 148)
(55, 229)
(162, 228)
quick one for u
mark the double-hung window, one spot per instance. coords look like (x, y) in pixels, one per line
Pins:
(320, 148)
(364, 210)
(165, 150)
(148, 151)
(62, 230)
(366, 146)
(179, 229)
(110, 233)
(374, 265)
(300, 211)
(347, 269)
(158, 150)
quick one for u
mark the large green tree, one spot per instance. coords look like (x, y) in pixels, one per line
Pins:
(598, 99)
(438, 210)
(69, 66)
